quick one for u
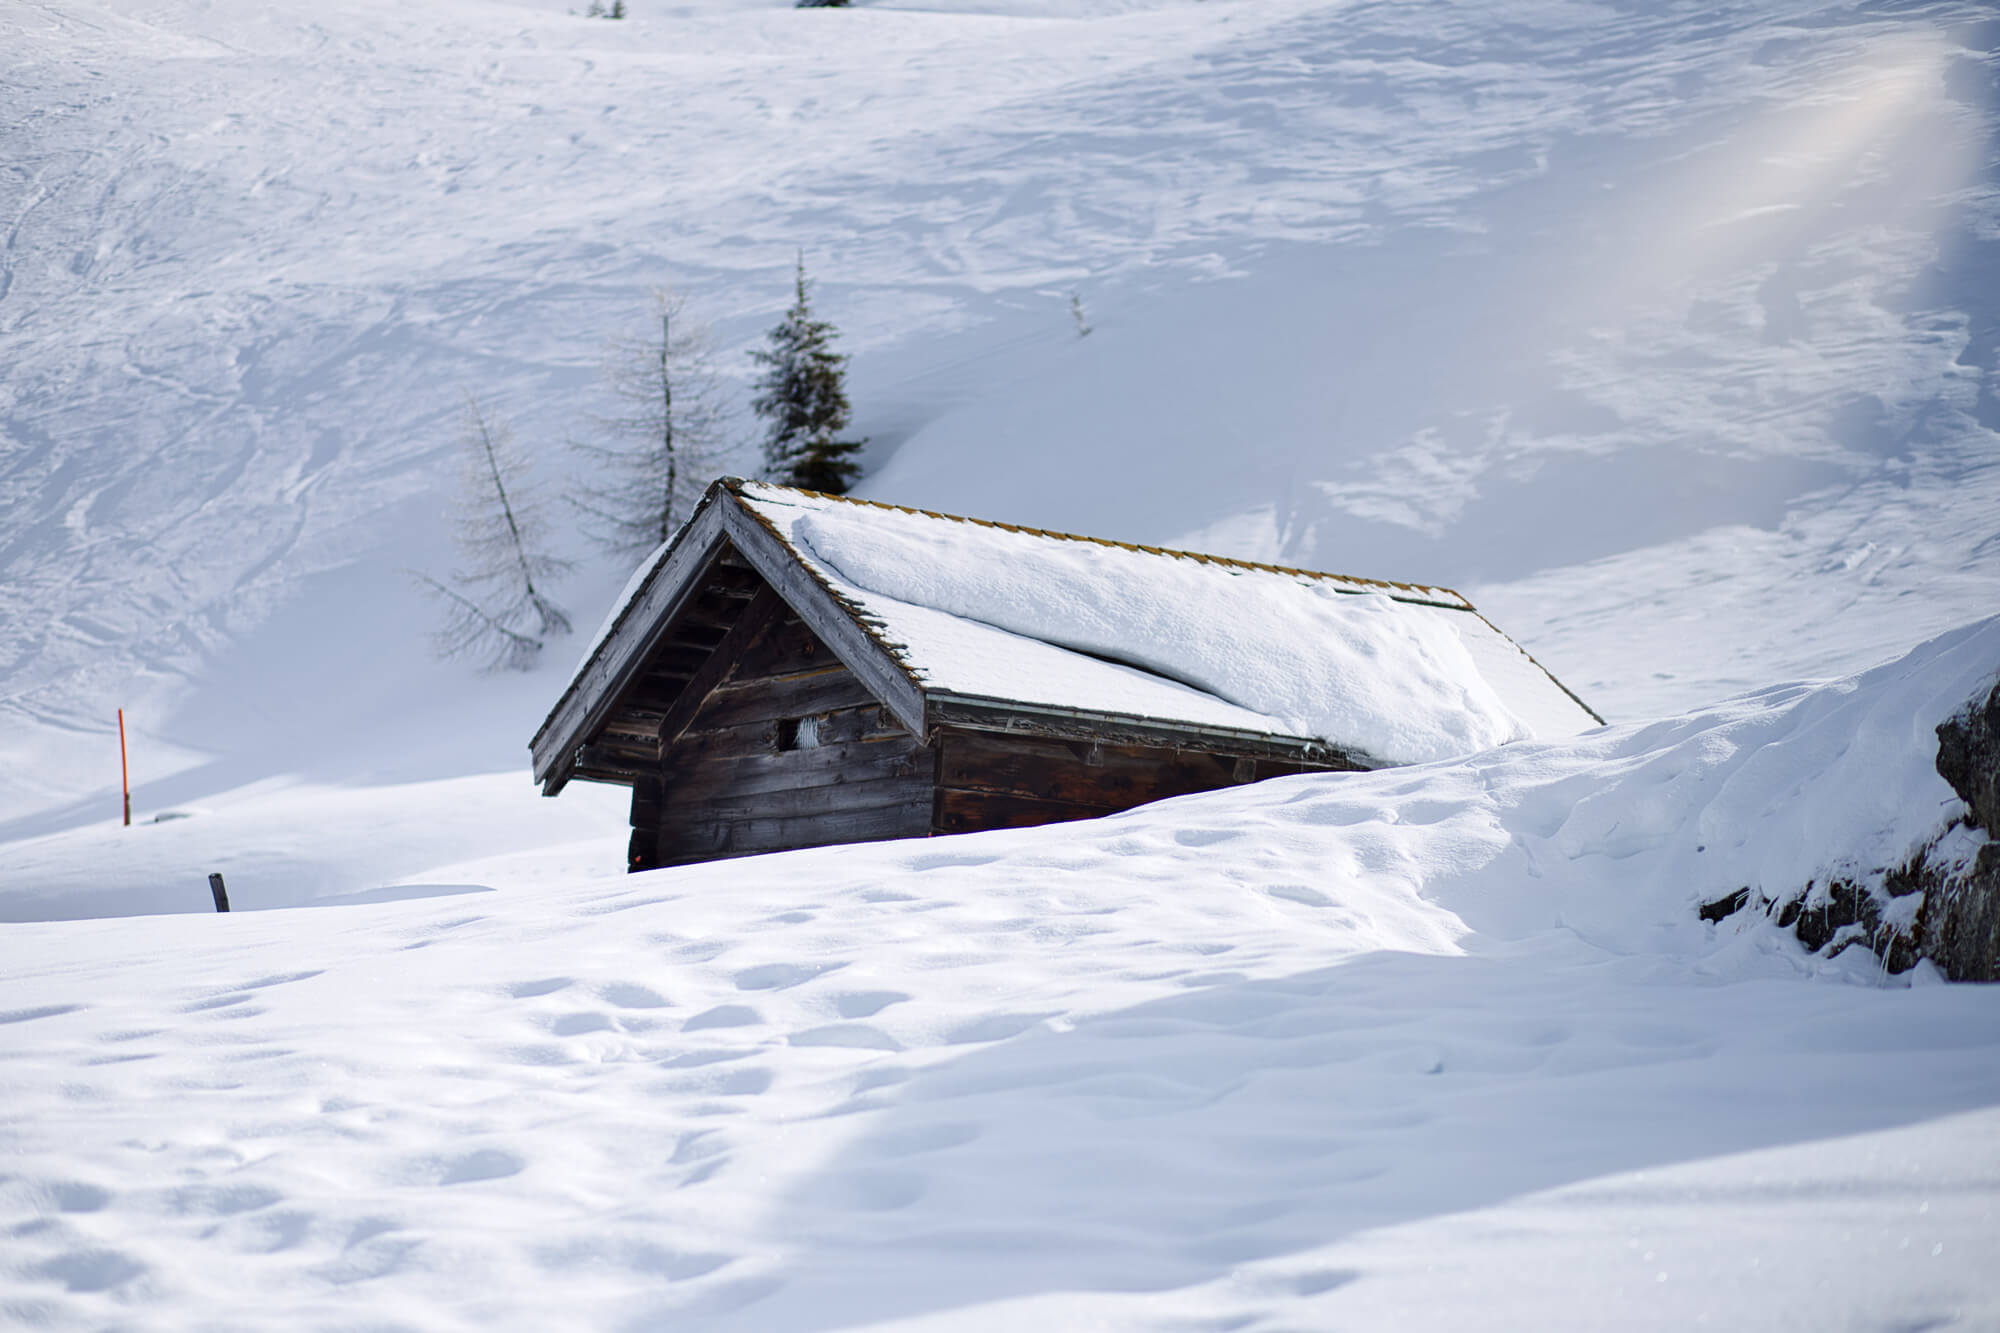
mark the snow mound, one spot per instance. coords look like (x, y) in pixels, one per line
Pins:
(1383, 677)
(1253, 1058)
(1622, 834)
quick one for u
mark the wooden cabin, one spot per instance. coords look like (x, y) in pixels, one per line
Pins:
(756, 698)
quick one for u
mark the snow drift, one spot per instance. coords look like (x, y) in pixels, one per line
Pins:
(1255, 1055)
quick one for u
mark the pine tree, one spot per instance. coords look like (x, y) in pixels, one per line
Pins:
(662, 447)
(493, 607)
(802, 396)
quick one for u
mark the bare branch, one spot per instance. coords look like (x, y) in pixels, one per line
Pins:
(495, 605)
(469, 631)
(656, 453)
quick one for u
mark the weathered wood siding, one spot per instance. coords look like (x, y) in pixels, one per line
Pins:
(711, 743)
(732, 787)
(989, 780)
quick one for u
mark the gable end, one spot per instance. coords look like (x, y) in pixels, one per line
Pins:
(606, 725)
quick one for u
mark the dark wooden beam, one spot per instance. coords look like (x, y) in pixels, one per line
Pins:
(703, 635)
(1017, 719)
(836, 625)
(710, 840)
(762, 610)
(977, 811)
(765, 700)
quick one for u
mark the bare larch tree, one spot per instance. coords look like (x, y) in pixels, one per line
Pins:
(656, 452)
(495, 606)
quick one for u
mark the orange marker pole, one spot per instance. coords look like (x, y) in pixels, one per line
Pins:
(124, 772)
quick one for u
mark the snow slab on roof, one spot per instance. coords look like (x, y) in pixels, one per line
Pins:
(967, 657)
(962, 656)
(1260, 649)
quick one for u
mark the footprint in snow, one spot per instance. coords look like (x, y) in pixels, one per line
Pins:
(540, 1055)
(630, 995)
(723, 1016)
(633, 1256)
(221, 1200)
(866, 1003)
(948, 861)
(75, 1196)
(479, 1164)
(1299, 893)
(528, 990)
(782, 976)
(576, 1025)
(696, 1059)
(90, 1270)
(857, 1036)
(744, 1083)
(994, 1027)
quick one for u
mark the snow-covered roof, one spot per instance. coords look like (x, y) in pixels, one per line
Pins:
(965, 610)
(1399, 672)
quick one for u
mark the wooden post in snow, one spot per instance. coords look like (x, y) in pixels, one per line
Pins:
(221, 894)
(124, 771)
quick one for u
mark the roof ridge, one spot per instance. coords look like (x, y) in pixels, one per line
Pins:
(735, 486)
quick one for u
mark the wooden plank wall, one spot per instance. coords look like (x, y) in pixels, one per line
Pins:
(734, 783)
(731, 790)
(989, 780)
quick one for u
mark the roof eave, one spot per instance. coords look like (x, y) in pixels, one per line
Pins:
(1415, 594)
(593, 691)
(839, 622)
(1554, 680)
(985, 713)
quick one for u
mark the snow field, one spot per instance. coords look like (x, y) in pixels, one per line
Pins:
(1321, 1050)
(1664, 333)
(291, 843)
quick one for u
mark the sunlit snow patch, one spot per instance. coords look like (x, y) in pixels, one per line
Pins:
(1355, 667)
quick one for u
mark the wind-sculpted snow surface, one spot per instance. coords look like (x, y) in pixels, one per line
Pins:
(1431, 1048)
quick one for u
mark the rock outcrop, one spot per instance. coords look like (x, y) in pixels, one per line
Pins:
(1943, 903)
(1958, 927)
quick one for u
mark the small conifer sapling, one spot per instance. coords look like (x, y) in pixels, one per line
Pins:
(802, 397)
(1076, 314)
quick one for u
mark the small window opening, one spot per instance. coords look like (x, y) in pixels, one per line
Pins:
(798, 733)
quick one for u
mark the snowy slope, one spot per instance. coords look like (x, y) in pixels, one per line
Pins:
(1425, 1048)
(1667, 332)
(1428, 291)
